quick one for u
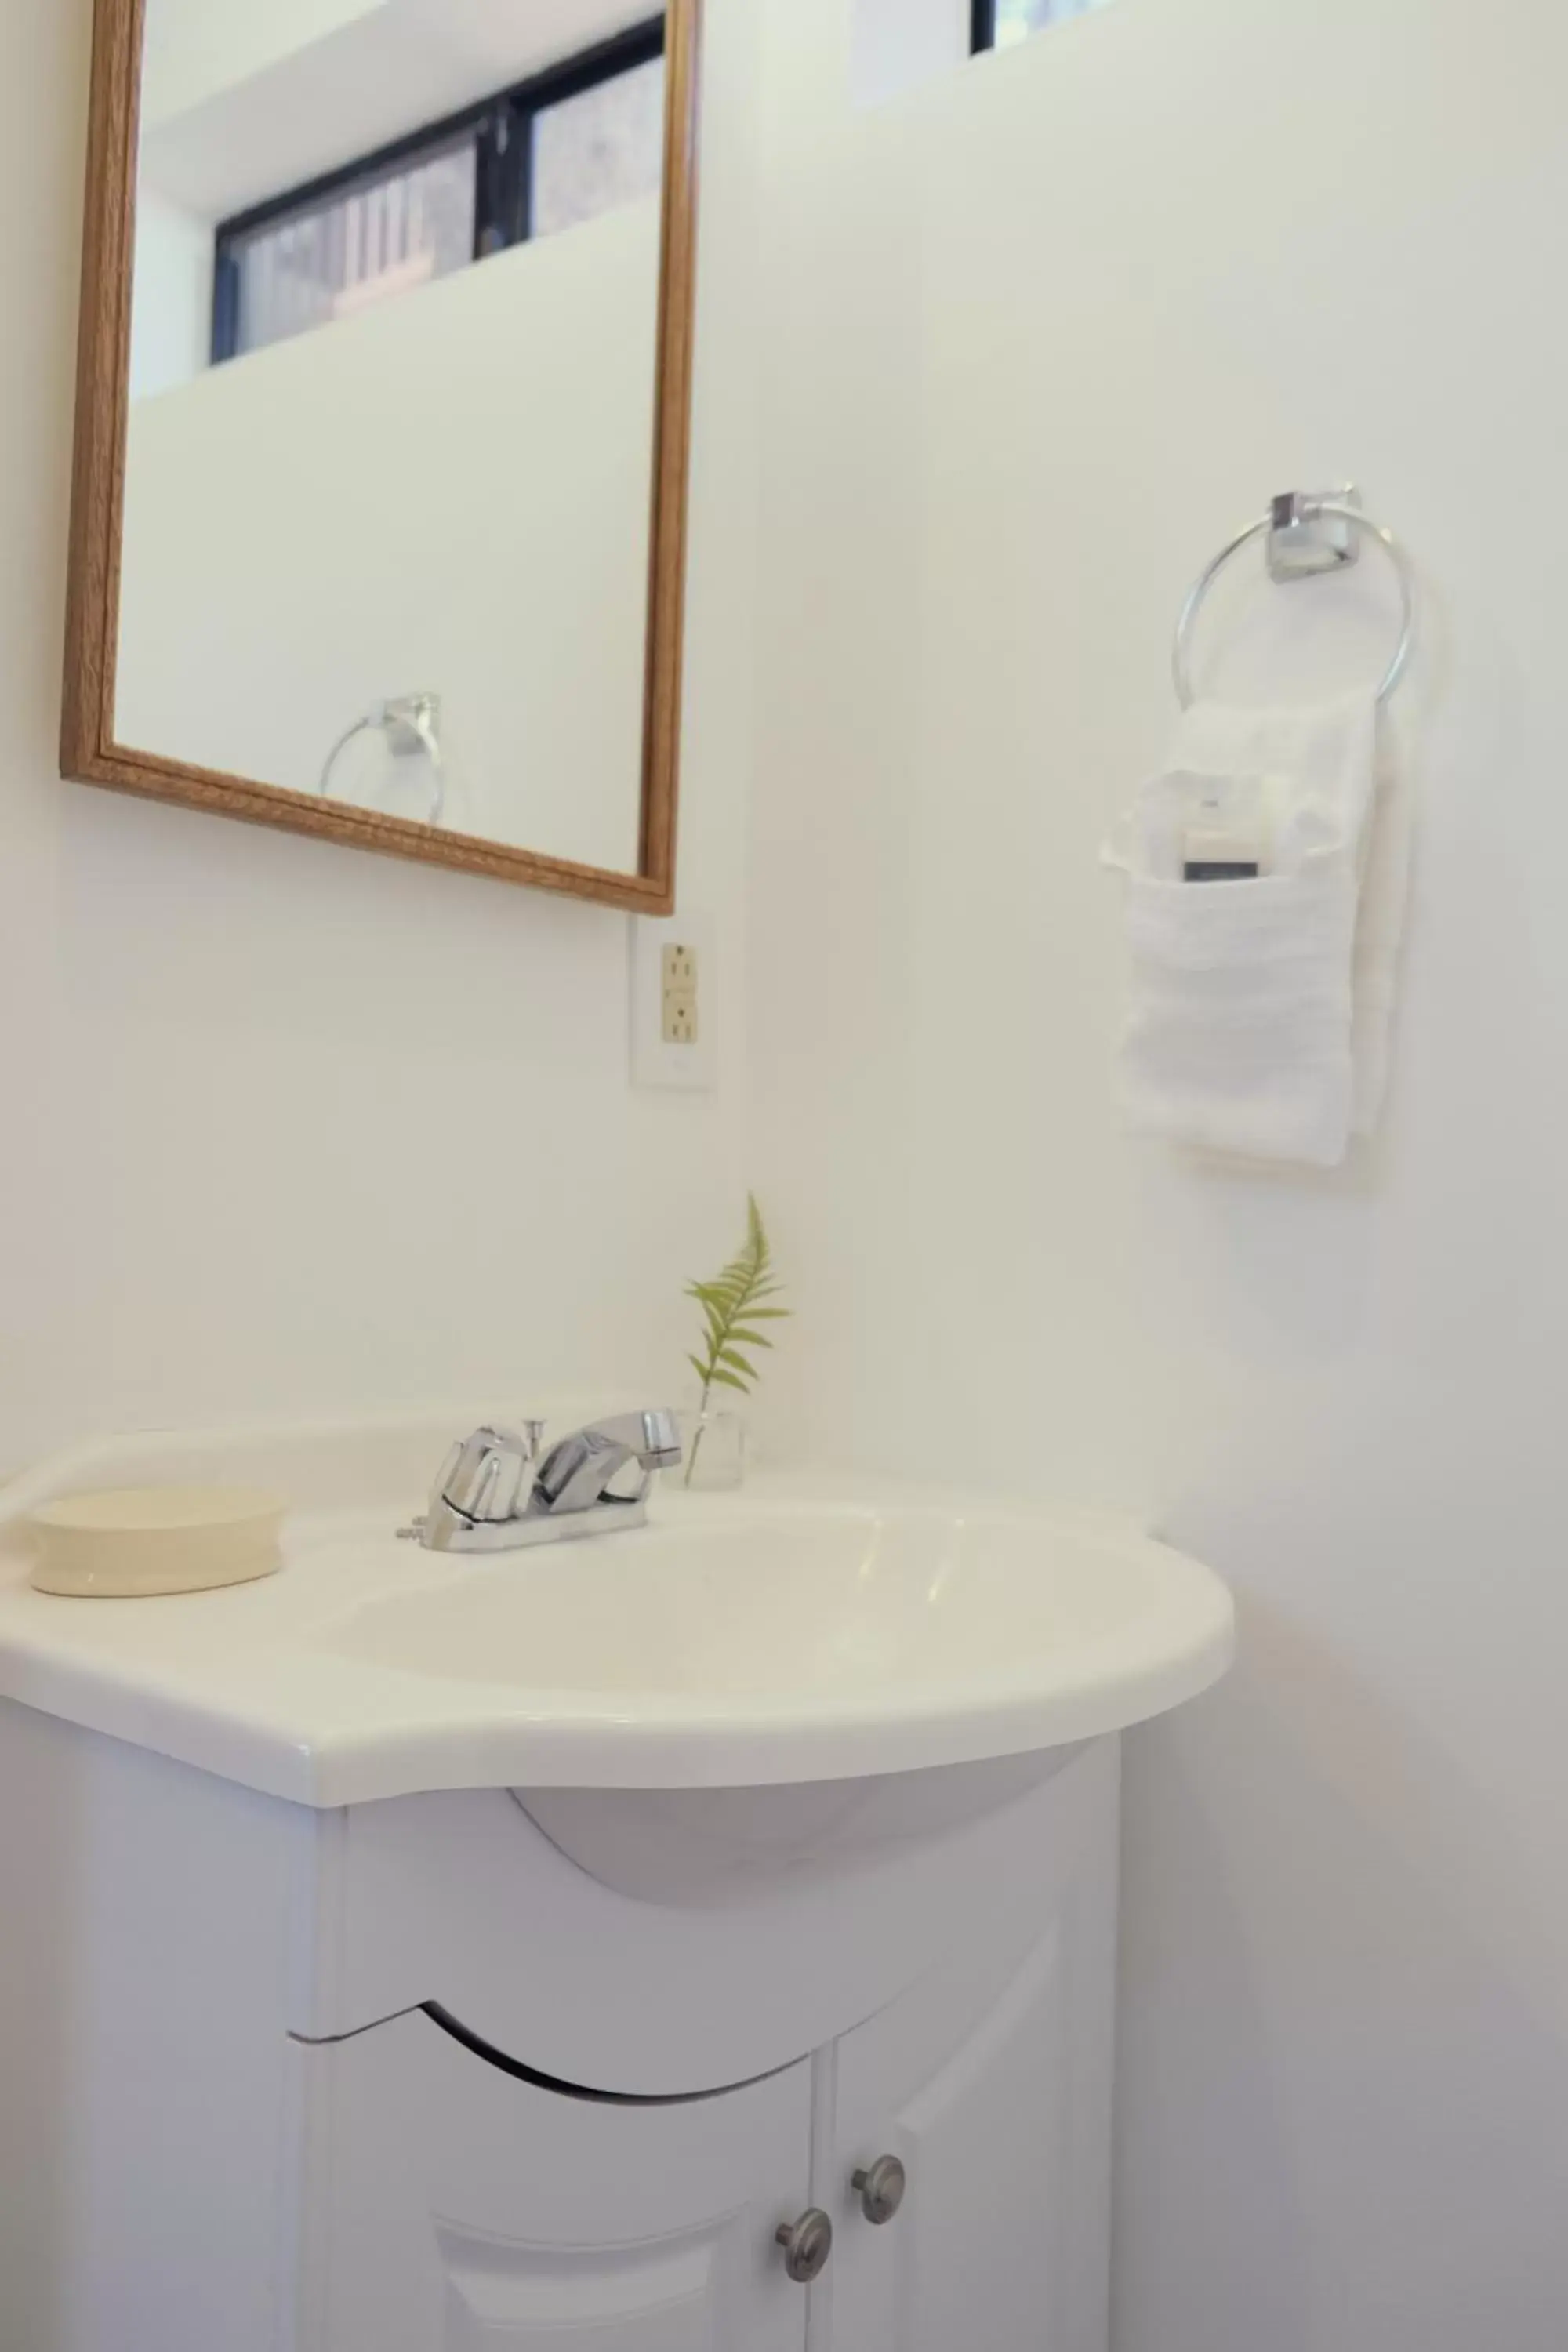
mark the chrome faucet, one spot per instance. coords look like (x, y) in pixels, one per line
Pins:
(496, 1493)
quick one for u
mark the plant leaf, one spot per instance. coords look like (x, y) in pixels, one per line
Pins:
(732, 1305)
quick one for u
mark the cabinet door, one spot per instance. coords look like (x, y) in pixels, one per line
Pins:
(452, 2207)
(962, 2081)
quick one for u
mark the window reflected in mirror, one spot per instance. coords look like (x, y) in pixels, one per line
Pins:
(308, 260)
(584, 137)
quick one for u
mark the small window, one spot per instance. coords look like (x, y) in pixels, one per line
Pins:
(297, 270)
(597, 151)
(997, 24)
(576, 141)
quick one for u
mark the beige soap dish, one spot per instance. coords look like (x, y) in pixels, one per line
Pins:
(146, 1540)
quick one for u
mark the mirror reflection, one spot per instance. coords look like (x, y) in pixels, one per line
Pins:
(391, 394)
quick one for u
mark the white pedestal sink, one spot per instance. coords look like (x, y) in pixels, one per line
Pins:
(560, 1926)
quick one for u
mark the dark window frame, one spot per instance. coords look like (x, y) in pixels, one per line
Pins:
(502, 125)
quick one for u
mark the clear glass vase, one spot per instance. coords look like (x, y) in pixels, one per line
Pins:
(713, 1447)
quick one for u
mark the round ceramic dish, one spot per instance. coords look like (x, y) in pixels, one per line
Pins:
(145, 1539)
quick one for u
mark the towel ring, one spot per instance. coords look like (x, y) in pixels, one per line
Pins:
(1292, 514)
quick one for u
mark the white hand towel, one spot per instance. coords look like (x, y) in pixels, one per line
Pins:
(1245, 1034)
(1380, 929)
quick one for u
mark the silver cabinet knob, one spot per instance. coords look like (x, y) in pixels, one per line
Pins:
(881, 2186)
(807, 2244)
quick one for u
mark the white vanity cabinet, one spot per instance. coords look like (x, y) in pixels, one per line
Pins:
(403, 2077)
(456, 2208)
(961, 2091)
(459, 2191)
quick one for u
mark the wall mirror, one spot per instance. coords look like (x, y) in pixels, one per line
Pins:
(381, 424)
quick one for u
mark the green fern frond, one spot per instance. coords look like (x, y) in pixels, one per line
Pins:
(732, 1305)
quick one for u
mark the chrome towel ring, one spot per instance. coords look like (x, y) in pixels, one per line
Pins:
(1307, 533)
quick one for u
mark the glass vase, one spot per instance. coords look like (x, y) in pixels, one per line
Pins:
(713, 1450)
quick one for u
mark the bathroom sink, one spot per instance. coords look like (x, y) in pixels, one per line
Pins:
(814, 1637)
(801, 1632)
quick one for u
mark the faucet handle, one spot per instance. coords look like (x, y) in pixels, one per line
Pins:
(483, 1478)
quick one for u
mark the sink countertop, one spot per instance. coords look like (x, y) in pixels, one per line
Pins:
(806, 1628)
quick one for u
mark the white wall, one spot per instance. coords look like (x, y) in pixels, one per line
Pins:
(171, 315)
(289, 1126)
(194, 50)
(448, 491)
(241, 103)
(1038, 336)
(898, 44)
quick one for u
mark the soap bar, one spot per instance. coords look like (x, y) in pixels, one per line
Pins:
(147, 1539)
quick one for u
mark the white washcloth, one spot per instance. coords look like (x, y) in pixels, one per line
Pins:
(1261, 1006)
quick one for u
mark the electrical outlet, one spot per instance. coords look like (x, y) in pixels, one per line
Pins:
(678, 994)
(673, 1007)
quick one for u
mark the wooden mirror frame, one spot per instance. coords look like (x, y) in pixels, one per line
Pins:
(89, 751)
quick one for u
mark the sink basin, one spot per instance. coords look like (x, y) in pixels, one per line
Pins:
(803, 1632)
(814, 1639)
(754, 1688)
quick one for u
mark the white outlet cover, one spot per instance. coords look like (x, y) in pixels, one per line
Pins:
(655, 1063)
